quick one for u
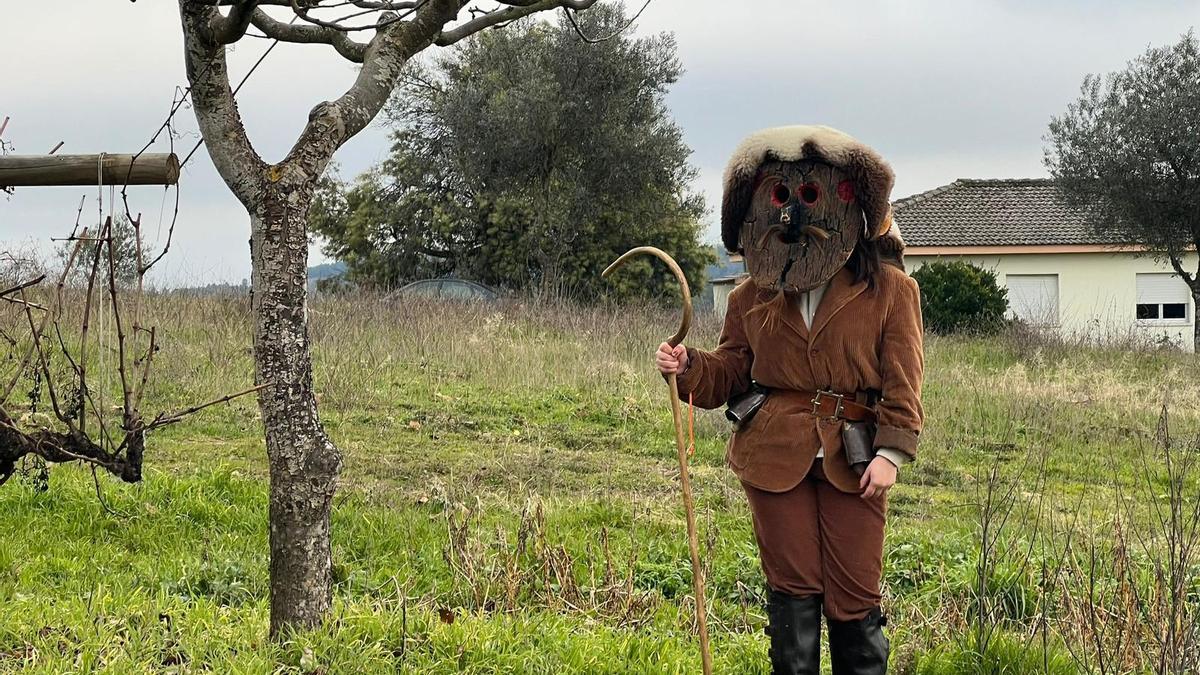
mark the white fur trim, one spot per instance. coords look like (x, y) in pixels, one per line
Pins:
(787, 145)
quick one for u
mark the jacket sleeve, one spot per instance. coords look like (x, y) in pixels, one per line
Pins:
(712, 377)
(902, 359)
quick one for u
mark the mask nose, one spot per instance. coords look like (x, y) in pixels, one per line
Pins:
(793, 217)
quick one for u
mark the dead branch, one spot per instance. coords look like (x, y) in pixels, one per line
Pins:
(164, 420)
(23, 286)
(25, 303)
(37, 334)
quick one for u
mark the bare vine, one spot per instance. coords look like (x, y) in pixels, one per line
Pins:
(58, 339)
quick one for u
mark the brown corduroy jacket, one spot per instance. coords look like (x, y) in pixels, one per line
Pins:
(861, 339)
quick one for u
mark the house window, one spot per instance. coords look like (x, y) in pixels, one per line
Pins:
(1033, 298)
(1161, 298)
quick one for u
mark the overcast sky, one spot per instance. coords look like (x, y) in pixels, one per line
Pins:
(944, 89)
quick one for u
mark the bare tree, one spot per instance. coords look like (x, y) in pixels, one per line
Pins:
(304, 463)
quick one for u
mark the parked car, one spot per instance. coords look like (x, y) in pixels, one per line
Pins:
(452, 289)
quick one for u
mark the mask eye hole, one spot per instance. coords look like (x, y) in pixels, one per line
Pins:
(809, 193)
(780, 195)
(846, 191)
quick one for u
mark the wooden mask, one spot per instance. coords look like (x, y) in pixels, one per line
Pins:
(801, 226)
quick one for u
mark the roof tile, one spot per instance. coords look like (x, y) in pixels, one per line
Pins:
(995, 212)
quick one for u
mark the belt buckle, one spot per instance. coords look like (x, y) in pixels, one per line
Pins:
(838, 409)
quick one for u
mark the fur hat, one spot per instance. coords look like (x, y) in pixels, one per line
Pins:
(872, 176)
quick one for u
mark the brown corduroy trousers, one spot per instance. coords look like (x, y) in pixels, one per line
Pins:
(817, 540)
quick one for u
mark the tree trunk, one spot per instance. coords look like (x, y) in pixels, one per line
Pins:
(304, 463)
(1195, 318)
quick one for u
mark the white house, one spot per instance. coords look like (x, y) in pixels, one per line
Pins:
(1057, 271)
(723, 277)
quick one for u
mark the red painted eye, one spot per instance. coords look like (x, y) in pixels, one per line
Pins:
(846, 191)
(780, 194)
(809, 193)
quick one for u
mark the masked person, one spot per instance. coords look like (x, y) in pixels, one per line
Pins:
(828, 327)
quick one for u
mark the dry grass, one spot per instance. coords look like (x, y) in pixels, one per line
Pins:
(513, 463)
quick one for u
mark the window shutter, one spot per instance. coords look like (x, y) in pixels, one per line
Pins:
(1033, 297)
(1160, 289)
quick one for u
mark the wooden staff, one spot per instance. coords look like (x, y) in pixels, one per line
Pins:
(681, 443)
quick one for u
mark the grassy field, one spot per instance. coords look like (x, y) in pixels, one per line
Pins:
(509, 504)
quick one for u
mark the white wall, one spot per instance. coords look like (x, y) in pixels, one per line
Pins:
(721, 290)
(1097, 292)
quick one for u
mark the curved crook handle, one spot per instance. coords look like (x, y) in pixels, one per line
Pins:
(686, 323)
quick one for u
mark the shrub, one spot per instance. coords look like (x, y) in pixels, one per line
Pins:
(961, 297)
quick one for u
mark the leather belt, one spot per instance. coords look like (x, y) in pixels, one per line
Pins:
(832, 405)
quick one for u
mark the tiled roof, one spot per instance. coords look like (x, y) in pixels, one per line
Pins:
(998, 212)
(727, 266)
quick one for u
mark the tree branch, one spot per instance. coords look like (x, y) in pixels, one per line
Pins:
(23, 285)
(229, 29)
(230, 3)
(569, 4)
(385, 19)
(514, 9)
(301, 34)
(216, 110)
(362, 4)
(597, 40)
(390, 6)
(1177, 264)
(165, 419)
(37, 334)
(331, 123)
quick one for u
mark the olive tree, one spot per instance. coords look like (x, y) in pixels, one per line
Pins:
(528, 159)
(1127, 152)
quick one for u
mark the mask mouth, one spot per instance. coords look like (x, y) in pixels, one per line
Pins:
(789, 236)
(814, 232)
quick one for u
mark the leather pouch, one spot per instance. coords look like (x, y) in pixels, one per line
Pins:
(741, 408)
(858, 444)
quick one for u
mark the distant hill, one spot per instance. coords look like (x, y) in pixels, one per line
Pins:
(242, 289)
(319, 273)
(315, 273)
(326, 271)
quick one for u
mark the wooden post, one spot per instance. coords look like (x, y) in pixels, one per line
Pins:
(49, 170)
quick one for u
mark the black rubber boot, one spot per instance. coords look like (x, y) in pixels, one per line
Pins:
(794, 626)
(859, 647)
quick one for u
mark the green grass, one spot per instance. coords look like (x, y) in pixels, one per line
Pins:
(509, 504)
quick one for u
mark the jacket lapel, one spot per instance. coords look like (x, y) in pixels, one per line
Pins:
(793, 319)
(789, 316)
(842, 289)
